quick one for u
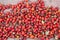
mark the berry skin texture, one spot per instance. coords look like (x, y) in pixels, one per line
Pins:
(29, 20)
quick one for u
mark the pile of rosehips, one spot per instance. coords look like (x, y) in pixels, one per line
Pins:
(29, 20)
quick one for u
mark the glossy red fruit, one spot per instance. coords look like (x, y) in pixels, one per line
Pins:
(29, 20)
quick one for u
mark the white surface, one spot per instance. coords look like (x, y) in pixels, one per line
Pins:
(52, 39)
(10, 39)
(47, 32)
(33, 0)
(10, 1)
(54, 3)
(7, 10)
(13, 39)
(13, 2)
